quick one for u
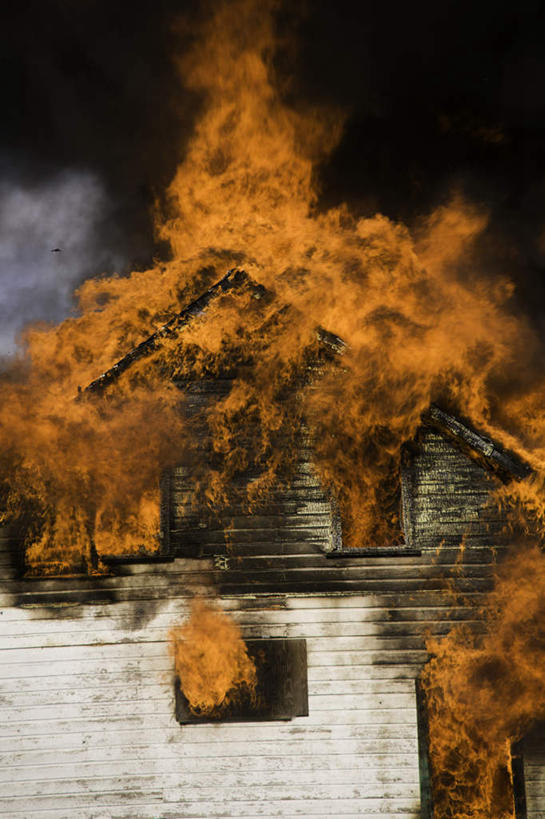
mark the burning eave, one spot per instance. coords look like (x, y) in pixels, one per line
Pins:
(507, 465)
(234, 280)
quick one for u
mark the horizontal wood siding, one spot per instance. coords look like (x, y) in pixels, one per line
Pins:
(448, 497)
(88, 726)
(533, 749)
(297, 513)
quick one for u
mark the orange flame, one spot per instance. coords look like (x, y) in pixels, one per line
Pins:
(418, 329)
(211, 659)
(484, 691)
(245, 192)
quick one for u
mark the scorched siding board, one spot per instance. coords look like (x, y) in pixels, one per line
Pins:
(299, 513)
(448, 517)
(448, 496)
(94, 735)
(86, 680)
(533, 751)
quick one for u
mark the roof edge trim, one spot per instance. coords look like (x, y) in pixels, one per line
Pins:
(499, 460)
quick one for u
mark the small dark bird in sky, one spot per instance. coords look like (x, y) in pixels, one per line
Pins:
(55, 250)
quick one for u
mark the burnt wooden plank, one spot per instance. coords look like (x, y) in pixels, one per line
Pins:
(489, 453)
(299, 566)
(448, 497)
(424, 762)
(385, 551)
(413, 576)
(443, 555)
(232, 280)
(315, 532)
(354, 578)
(265, 548)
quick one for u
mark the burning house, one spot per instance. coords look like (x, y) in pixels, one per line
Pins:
(95, 720)
(257, 568)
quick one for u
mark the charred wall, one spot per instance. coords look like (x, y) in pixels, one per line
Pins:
(87, 680)
(448, 497)
(288, 544)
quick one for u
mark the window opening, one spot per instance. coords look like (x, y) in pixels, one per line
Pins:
(281, 692)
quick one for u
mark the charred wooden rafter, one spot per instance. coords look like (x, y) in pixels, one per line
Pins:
(232, 281)
(505, 464)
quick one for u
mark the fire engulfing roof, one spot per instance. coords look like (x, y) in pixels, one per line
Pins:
(504, 463)
(489, 453)
(234, 280)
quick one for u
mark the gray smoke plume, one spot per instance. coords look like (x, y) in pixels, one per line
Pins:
(49, 243)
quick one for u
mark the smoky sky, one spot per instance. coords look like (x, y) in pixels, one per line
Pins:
(440, 96)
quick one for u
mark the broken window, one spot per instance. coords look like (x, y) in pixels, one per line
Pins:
(281, 692)
(395, 531)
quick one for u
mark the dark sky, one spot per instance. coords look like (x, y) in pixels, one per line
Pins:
(441, 95)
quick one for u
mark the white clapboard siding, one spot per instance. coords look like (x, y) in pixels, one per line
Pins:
(534, 773)
(88, 728)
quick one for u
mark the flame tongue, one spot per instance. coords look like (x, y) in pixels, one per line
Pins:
(244, 195)
(484, 691)
(211, 659)
(416, 331)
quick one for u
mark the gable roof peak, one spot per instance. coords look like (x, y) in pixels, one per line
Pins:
(489, 453)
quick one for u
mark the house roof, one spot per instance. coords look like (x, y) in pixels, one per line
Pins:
(489, 453)
(234, 280)
(493, 456)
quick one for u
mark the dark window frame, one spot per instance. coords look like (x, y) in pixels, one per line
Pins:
(404, 549)
(282, 689)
